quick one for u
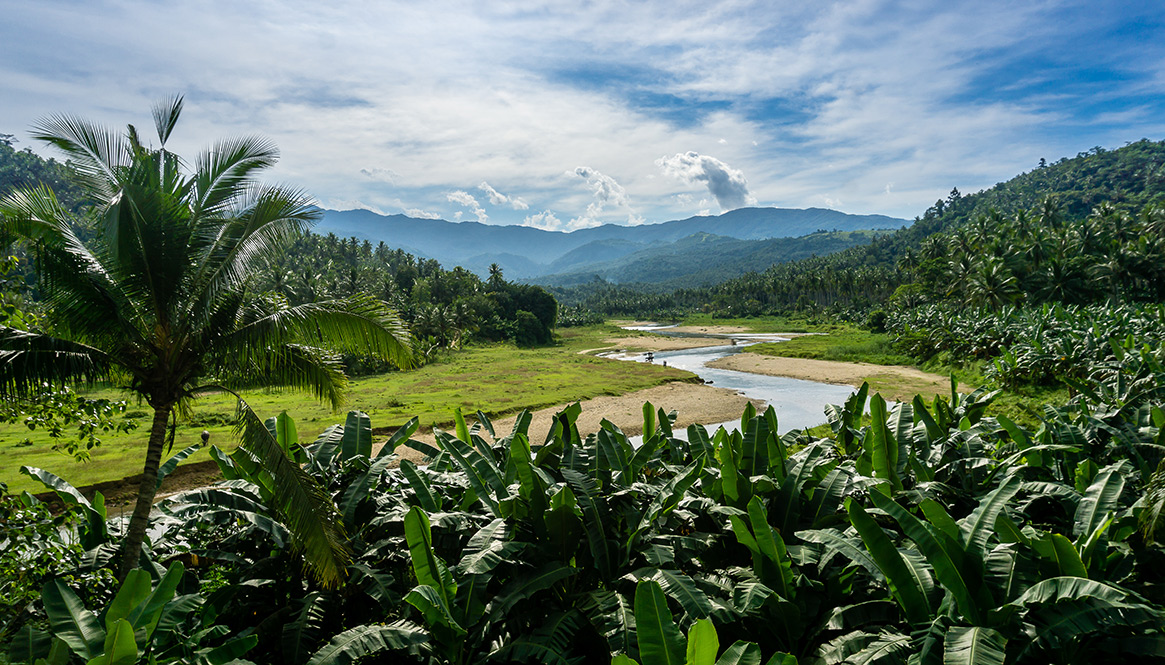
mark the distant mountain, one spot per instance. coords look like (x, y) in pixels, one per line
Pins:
(703, 259)
(526, 253)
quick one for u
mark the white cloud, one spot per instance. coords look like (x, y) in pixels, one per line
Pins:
(381, 175)
(466, 199)
(724, 182)
(545, 220)
(604, 187)
(421, 214)
(499, 199)
(607, 193)
(812, 98)
(548, 221)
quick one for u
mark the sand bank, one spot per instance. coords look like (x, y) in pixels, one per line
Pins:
(892, 381)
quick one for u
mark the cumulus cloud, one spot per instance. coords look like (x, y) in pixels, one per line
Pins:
(417, 213)
(499, 199)
(545, 220)
(381, 175)
(724, 182)
(466, 199)
(548, 221)
(604, 187)
(607, 192)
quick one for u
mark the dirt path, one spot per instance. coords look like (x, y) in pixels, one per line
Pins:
(892, 381)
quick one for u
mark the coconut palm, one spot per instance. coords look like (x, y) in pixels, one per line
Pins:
(157, 301)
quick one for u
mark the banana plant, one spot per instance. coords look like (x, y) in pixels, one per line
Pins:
(93, 531)
(660, 641)
(144, 623)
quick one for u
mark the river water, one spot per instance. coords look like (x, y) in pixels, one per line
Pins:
(799, 404)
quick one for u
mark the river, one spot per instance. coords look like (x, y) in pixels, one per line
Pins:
(798, 403)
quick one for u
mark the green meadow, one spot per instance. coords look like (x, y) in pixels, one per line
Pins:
(498, 379)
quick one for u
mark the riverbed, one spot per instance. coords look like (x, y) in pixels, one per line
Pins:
(798, 403)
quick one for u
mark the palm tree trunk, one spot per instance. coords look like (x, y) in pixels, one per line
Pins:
(140, 520)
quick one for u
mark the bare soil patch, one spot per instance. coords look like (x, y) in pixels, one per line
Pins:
(693, 403)
(121, 494)
(658, 343)
(892, 381)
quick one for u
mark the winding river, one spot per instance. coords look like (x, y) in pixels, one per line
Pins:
(799, 404)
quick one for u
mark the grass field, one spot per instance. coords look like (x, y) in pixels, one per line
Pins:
(842, 343)
(498, 379)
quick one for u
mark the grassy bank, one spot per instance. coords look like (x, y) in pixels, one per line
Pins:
(498, 379)
(840, 342)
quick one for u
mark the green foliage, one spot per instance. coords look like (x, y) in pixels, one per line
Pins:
(842, 343)
(32, 551)
(72, 420)
(144, 623)
(445, 307)
(700, 260)
(24, 168)
(933, 529)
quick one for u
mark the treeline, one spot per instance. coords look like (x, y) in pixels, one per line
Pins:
(25, 168)
(1106, 195)
(443, 308)
(1040, 257)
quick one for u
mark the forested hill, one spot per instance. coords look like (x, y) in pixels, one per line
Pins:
(527, 252)
(24, 168)
(1126, 178)
(1060, 193)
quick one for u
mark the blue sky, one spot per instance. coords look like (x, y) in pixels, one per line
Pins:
(564, 115)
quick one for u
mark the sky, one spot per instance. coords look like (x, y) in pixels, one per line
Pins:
(566, 115)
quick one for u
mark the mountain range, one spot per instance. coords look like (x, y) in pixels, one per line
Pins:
(535, 254)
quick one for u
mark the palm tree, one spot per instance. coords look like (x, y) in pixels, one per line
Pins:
(158, 301)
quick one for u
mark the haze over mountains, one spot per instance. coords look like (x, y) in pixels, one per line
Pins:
(553, 256)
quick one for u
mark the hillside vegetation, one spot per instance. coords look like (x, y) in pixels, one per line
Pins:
(704, 259)
(1060, 195)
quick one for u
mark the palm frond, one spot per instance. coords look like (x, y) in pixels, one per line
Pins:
(166, 116)
(29, 360)
(222, 171)
(269, 217)
(35, 214)
(1154, 504)
(147, 235)
(307, 510)
(359, 324)
(292, 367)
(74, 281)
(96, 152)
